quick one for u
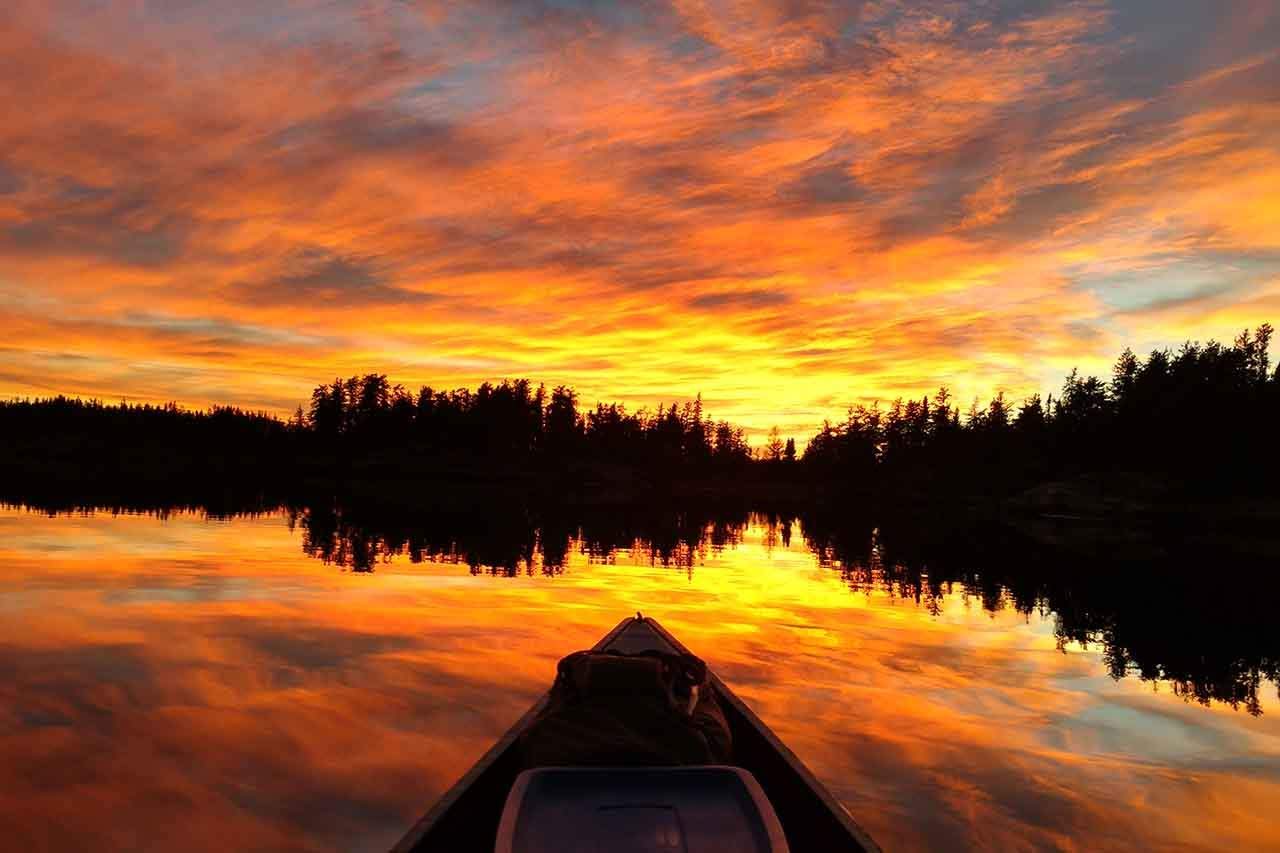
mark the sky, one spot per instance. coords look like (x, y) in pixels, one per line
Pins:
(788, 206)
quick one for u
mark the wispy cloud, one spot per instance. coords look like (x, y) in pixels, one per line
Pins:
(788, 206)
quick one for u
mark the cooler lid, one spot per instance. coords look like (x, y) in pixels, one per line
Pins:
(708, 809)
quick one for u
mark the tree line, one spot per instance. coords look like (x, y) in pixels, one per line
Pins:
(72, 449)
(1203, 414)
(513, 420)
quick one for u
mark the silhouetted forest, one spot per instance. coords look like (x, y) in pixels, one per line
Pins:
(1204, 416)
(78, 449)
(514, 422)
(1196, 425)
(364, 430)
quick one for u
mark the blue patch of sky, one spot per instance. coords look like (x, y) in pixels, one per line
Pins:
(455, 92)
(223, 330)
(616, 15)
(10, 181)
(690, 46)
(1176, 281)
(1165, 48)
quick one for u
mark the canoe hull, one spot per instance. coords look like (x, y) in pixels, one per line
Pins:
(466, 818)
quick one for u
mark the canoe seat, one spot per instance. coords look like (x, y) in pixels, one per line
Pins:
(705, 809)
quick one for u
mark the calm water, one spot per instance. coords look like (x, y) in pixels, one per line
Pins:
(210, 685)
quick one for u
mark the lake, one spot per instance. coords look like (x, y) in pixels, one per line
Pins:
(312, 679)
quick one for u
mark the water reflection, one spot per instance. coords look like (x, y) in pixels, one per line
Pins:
(209, 684)
(514, 539)
(1148, 614)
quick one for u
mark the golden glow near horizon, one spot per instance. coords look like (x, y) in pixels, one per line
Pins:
(788, 207)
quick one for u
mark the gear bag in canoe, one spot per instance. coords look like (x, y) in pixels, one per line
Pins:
(612, 709)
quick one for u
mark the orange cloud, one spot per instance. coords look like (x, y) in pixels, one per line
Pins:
(788, 207)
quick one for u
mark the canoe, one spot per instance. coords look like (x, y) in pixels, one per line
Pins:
(466, 818)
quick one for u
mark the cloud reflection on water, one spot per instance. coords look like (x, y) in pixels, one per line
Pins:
(233, 692)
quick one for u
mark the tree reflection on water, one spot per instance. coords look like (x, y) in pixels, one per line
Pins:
(1198, 618)
(1153, 614)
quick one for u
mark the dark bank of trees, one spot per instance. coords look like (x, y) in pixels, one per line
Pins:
(514, 422)
(1198, 419)
(1204, 416)
(70, 451)
(364, 433)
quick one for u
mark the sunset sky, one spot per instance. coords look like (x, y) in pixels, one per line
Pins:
(788, 206)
